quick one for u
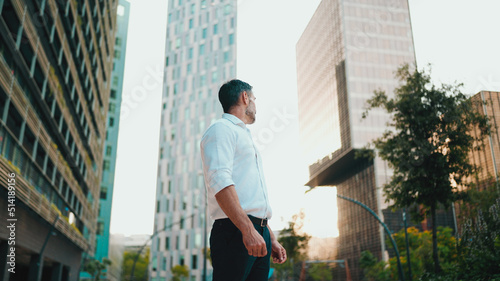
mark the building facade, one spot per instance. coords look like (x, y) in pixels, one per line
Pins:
(200, 55)
(488, 157)
(110, 148)
(485, 155)
(113, 124)
(55, 73)
(349, 49)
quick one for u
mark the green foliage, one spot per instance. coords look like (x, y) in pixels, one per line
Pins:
(180, 272)
(480, 246)
(420, 245)
(95, 267)
(373, 269)
(141, 266)
(479, 200)
(295, 245)
(429, 144)
(319, 272)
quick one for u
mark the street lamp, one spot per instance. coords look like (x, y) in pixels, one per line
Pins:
(145, 243)
(400, 268)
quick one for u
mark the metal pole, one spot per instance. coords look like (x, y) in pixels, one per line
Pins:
(145, 243)
(407, 246)
(400, 268)
(40, 256)
(205, 242)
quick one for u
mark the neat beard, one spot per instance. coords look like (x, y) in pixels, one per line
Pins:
(251, 115)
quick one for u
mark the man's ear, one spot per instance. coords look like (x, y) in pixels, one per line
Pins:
(244, 98)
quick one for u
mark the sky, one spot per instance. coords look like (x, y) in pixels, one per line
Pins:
(458, 38)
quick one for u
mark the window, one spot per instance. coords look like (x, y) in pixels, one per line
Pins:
(108, 150)
(216, 29)
(111, 121)
(194, 262)
(118, 41)
(167, 243)
(115, 81)
(231, 39)
(202, 49)
(104, 193)
(100, 228)
(112, 107)
(204, 33)
(105, 165)
(227, 9)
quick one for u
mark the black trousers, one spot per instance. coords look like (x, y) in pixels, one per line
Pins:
(230, 258)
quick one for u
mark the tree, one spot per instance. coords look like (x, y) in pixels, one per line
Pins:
(141, 266)
(295, 245)
(180, 271)
(95, 268)
(319, 272)
(420, 245)
(429, 145)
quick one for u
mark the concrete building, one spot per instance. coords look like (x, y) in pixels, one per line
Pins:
(200, 55)
(349, 49)
(55, 73)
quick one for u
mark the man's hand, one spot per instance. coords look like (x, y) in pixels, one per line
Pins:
(278, 253)
(230, 204)
(254, 243)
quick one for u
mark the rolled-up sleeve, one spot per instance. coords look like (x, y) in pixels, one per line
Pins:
(217, 152)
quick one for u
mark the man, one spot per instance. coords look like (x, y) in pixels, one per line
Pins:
(241, 241)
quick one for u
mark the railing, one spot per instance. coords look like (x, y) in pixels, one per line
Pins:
(21, 103)
(45, 64)
(32, 198)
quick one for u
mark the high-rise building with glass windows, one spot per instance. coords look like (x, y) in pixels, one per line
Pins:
(103, 235)
(56, 59)
(200, 55)
(349, 49)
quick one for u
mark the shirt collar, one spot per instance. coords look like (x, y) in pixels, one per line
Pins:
(235, 120)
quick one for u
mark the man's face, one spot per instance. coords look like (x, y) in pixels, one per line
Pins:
(251, 110)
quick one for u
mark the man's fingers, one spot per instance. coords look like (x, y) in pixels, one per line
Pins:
(258, 251)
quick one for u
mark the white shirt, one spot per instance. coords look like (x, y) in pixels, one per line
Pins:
(229, 157)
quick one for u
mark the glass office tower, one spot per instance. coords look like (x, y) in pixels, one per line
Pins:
(200, 55)
(349, 49)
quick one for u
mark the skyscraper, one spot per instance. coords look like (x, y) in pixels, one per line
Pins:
(55, 74)
(349, 49)
(110, 145)
(200, 55)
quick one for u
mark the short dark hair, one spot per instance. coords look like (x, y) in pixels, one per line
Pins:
(230, 92)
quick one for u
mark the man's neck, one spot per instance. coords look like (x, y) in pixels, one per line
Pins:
(240, 113)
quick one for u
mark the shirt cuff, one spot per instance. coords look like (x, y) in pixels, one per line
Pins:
(220, 180)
